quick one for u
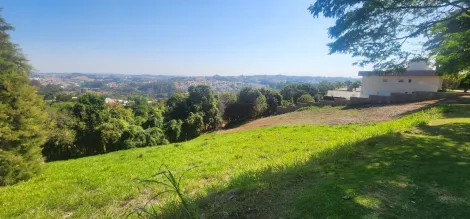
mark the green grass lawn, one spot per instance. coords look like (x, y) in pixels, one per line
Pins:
(398, 168)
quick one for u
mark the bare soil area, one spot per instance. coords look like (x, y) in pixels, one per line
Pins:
(336, 115)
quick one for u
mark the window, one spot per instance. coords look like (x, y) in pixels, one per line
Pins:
(385, 80)
(401, 80)
(410, 80)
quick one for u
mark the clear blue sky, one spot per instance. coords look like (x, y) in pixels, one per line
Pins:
(172, 37)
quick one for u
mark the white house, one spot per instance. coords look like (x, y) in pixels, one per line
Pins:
(418, 77)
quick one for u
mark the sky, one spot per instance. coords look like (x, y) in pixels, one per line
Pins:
(174, 37)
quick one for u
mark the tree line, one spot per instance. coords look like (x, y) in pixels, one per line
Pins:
(89, 126)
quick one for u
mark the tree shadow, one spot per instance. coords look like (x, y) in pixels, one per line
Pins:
(456, 111)
(423, 173)
(236, 124)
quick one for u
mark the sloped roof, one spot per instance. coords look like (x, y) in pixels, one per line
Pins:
(407, 73)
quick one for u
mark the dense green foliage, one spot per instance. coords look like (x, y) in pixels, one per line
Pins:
(190, 114)
(465, 82)
(292, 92)
(306, 98)
(251, 103)
(390, 33)
(90, 126)
(23, 121)
(87, 126)
(280, 170)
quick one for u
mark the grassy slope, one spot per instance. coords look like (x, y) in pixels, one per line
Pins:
(418, 173)
(269, 171)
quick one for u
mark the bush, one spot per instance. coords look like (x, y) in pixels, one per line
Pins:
(306, 98)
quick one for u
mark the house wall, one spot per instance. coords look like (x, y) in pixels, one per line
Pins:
(374, 85)
(343, 93)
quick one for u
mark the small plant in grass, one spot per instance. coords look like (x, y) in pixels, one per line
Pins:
(173, 185)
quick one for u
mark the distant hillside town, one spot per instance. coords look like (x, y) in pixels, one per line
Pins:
(119, 87)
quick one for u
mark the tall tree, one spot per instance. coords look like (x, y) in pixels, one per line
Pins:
(23, 126)
(202, 100)
(390, 33)
(91, 112)
(255, 101)
(177, 107)
(140, 107)
(273, 99)
(224, 100)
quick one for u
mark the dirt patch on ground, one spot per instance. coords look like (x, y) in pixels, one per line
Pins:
(337, 115)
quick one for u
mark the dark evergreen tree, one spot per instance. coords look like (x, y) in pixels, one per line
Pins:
(23, 120)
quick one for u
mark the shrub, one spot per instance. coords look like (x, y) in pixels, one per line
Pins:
(306, 98)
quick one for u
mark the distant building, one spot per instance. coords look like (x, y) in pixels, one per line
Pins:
(418, 77)
(109, 101)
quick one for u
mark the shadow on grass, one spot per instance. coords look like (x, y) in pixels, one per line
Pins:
(456, 111)
(424, 173)
(235, 124)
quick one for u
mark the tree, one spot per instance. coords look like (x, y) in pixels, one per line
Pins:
(110, 135)
(23, 120)
(119, 112)
(385, 32)
(177, 107)
(292, 92)
(155, 117)
(356, 84)
(173, 130)
(465, 82)
(61, 142)
(273, 99)
(259, 107)
(134, 136)
(452, 52)
(339, 84)
(155, 136)
(225, 100)
(323, 88)
(91, 112)
(63, 97)
(50, 91)
(254, 99)
(140, 107)
(193, 125)
(202, 100)
(306, 98)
